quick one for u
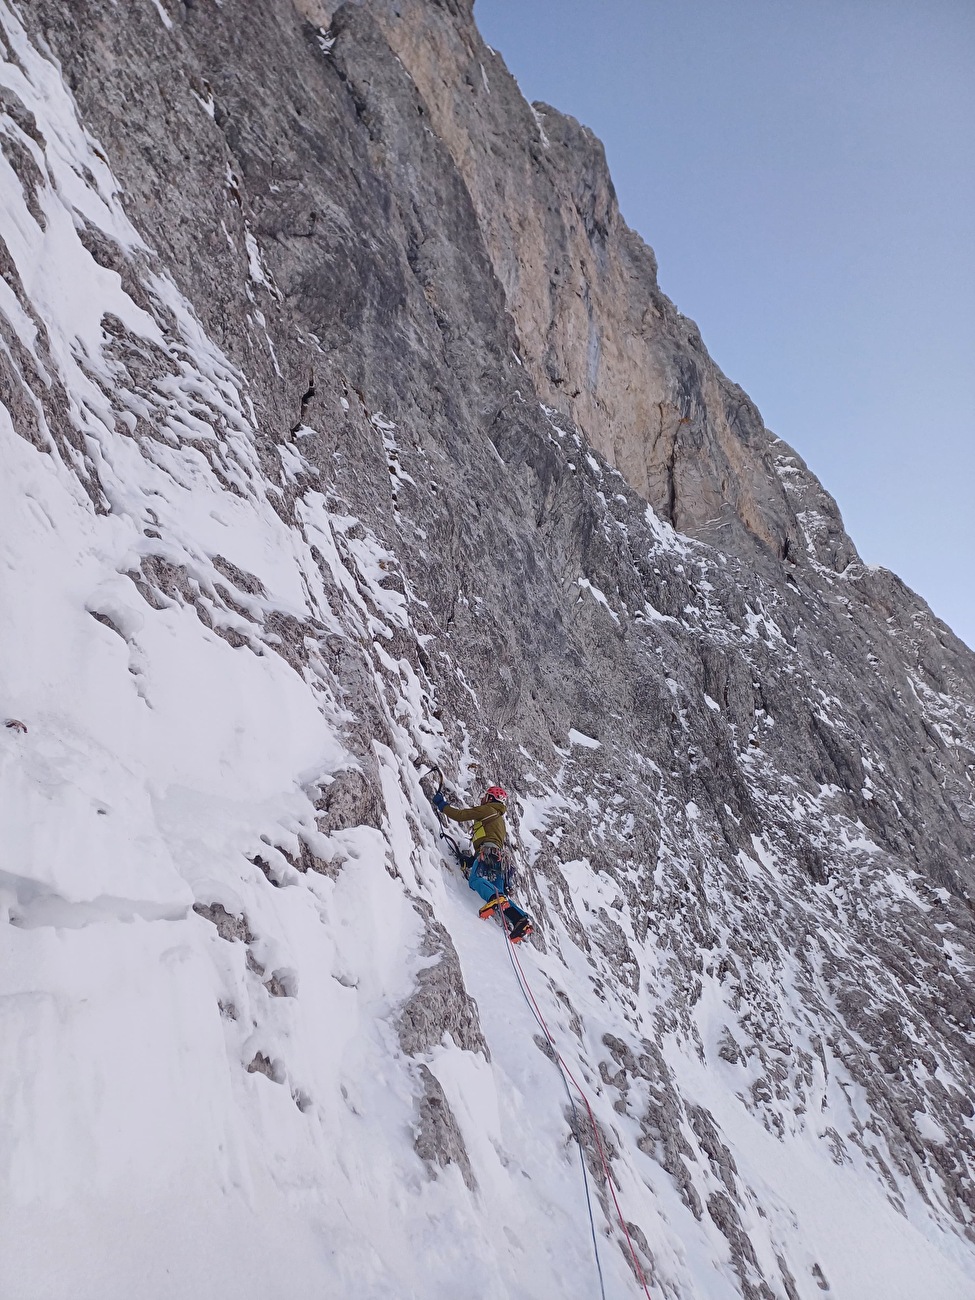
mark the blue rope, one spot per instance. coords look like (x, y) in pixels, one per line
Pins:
(575, 1113)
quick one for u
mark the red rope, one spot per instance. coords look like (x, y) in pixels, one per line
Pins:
(592, 1120)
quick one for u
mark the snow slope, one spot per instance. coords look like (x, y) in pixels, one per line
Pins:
(205, 1087)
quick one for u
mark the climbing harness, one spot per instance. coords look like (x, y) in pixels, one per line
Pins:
(566, 1075)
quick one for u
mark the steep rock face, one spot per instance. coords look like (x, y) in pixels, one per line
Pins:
(297, 331)
(604, 346)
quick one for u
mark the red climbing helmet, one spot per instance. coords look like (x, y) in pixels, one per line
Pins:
(497, 795)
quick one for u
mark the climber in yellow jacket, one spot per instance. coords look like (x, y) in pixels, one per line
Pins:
(487, 873)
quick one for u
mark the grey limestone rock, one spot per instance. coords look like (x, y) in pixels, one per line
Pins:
(437, 1139)
(439, 1003)
(228, 926)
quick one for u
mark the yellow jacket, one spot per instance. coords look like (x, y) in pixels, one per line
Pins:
(488, 819)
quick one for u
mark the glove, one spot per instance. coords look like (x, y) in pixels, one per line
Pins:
(439, 801)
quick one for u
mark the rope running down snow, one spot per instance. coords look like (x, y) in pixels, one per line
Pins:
(565, 1074)
(564, 1070)
(575, 1121)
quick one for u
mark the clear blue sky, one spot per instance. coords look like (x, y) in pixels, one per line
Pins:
(805, 172)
